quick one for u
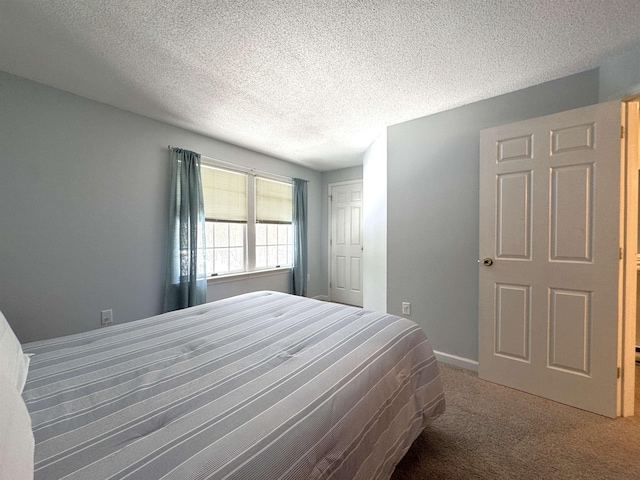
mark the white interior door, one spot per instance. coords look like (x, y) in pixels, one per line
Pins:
(346, 243)
(550, 231)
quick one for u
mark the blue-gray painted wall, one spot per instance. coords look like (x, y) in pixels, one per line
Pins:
(432, 206)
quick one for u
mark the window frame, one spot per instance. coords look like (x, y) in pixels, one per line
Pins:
(250, 230)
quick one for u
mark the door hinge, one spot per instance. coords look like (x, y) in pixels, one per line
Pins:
(621, 131)
(618, 372)
(620, 253)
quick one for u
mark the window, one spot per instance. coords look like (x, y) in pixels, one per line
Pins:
(248, 221)
(225, 247)
(274, 230)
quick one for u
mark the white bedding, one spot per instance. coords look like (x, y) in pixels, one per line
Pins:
(16, 439)
(263, 385)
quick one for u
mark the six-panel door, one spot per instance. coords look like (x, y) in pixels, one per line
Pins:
(549, 219)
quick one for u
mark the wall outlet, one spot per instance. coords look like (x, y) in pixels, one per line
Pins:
(406, 308)
(106, 317)
(308, 277)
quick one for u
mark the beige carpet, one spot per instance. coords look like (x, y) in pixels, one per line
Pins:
(493, 432)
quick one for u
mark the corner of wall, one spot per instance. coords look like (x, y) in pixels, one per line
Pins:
(375, 225)
(619, 76)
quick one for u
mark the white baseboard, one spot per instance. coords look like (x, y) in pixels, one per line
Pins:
(457, 361)
(324, 298)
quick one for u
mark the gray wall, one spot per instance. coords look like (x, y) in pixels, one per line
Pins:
(84, 206)
(620, 76)
(433, 206)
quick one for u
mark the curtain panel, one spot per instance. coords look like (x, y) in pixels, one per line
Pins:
(186, 280)
(299, 273)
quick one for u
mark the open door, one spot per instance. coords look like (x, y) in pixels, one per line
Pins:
(550, 256)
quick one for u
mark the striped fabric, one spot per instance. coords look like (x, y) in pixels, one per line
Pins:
(260, 386)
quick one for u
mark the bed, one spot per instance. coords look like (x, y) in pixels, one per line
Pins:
(259, 386)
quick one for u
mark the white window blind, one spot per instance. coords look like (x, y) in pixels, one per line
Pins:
(225, 195)
(273, 201)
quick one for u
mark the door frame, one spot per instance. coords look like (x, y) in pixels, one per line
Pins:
(627, 291)
(329, 219)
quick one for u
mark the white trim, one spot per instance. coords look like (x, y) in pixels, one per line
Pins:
(239, 277)
(461, 362)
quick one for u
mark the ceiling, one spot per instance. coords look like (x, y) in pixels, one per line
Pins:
(311, 82)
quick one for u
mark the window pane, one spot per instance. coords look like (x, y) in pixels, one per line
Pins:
(282, 255)
(272, 234)
(282, 234)
(261, 257)
(208, 231)
(221, 234)
(272, 256)
(261, 234)
(222, 260)
(209, 267)
(279, 245)
(236, 235)
(236, 259)
(225, 247)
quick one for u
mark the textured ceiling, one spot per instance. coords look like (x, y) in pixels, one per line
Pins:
(312, 82)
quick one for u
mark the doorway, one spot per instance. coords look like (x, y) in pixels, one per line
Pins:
(631, 144)
(630, 299)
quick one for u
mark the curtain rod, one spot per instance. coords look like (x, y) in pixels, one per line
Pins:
(245, 169)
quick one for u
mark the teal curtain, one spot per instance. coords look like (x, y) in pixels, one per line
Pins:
(186, 280)
(299, 273)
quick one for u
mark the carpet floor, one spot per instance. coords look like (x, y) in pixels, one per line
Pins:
(494, 432)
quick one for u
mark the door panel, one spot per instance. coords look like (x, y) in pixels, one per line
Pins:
(514, 216)
(570, 331)
(346, 244)
(550, 219)
(571, 213)
(512, 329)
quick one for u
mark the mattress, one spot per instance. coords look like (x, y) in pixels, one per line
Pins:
(260, 386)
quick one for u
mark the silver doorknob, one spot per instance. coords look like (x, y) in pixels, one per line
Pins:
(487, 262)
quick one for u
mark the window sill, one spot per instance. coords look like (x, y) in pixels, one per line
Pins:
(238, 277)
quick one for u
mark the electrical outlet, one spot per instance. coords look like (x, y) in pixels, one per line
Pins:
(308, 277)
(406, 308)
(106, 317)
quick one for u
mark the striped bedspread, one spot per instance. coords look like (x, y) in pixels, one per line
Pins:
(260, 386)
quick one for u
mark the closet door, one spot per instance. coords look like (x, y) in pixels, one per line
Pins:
(346, 243)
